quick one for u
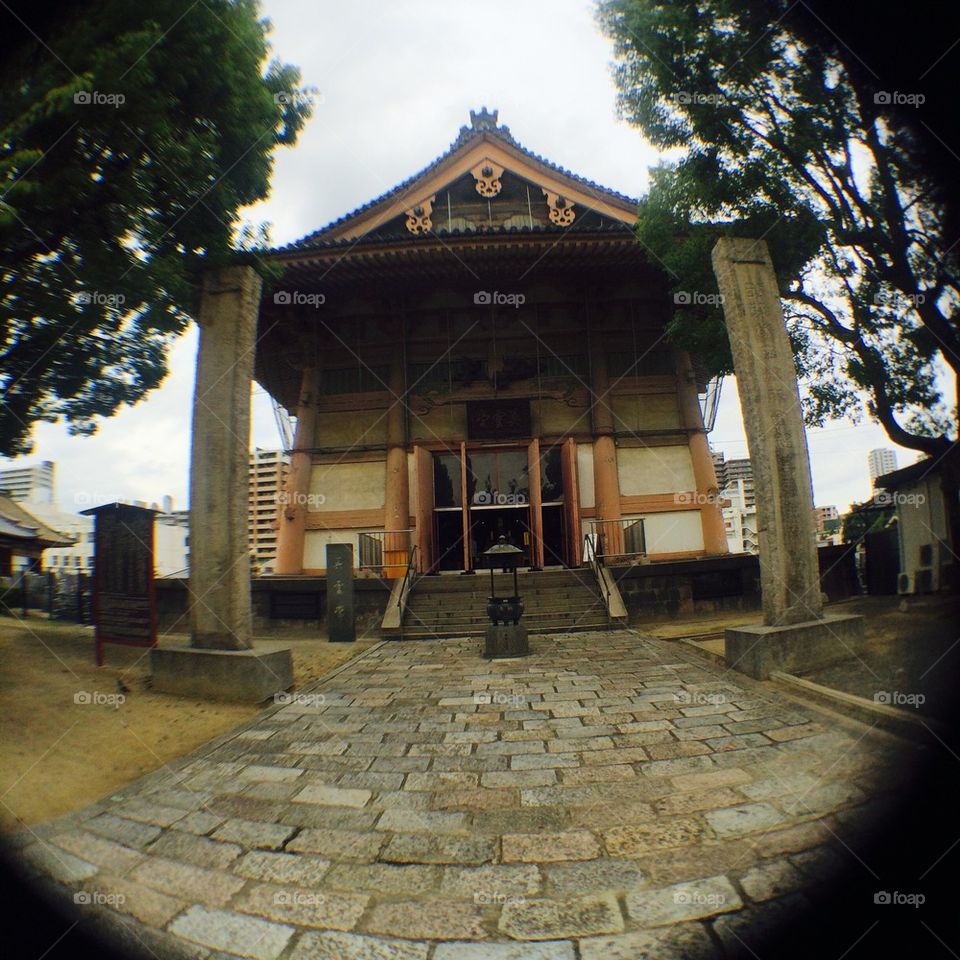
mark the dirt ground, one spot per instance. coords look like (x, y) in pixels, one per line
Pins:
(58, 754)
(911, 659)
(912, 656)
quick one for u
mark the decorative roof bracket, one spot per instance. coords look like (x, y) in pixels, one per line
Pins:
(418, 216)
(487, 175)
(560, 209)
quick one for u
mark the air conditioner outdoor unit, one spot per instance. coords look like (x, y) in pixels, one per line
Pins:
(904, 583)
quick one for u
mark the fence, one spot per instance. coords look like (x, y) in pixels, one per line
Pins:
(64, 596)
(613, 539)
(387, 552)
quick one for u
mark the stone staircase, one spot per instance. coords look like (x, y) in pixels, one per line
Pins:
(456, 606)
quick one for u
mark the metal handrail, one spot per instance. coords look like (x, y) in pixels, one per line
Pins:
(411, 567)
(590, 553)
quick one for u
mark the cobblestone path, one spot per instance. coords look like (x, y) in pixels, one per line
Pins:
(608, 797)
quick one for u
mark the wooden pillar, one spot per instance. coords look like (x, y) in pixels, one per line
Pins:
(423, 466)
(396, 502)
(220, 616)
(464, 496)
(292, 518)
(606, 480)
(571, 501)
(536, 503)
(704, 474)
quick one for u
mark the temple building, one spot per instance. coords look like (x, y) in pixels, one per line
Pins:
(480, 352)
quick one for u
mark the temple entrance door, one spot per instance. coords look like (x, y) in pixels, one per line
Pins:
(488, 524)
(554, 535)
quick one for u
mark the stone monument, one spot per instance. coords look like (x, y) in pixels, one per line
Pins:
(220, 662)
(795, 634)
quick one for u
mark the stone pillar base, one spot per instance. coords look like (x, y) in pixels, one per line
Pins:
(250, 676)
(506, 640)
(758, 650)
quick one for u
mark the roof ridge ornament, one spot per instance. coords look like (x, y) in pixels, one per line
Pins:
(484, 121)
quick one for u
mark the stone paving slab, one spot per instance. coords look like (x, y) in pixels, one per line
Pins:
(609, 797)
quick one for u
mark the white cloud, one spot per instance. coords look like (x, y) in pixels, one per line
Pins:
(397, 81)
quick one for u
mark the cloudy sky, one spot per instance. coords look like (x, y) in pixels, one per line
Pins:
(396, 82)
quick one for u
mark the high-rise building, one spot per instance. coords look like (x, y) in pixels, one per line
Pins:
(740, 517)
(719, 467)
(880, 461)
(823, 515)
(268, 473)
(29, 484)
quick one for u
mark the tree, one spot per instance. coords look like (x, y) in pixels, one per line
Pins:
(130, 137)
(779, 139)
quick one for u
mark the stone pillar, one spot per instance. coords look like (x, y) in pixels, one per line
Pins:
(396, 500)
(292, 515)
(767, 382)
(220, 617)
(606, 480)
(704, 474)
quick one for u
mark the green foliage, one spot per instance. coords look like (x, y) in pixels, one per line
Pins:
(862, 520)
(131, 135)
(773, 138)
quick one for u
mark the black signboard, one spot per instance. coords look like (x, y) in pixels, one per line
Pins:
(498, 419)
(124, 601)
(340, 622)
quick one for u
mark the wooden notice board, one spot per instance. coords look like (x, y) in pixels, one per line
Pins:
(124, 596)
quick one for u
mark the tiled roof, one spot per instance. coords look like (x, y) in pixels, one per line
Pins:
(482, 122)
(19, 524)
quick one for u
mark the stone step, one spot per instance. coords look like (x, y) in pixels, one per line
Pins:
(414, 633)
